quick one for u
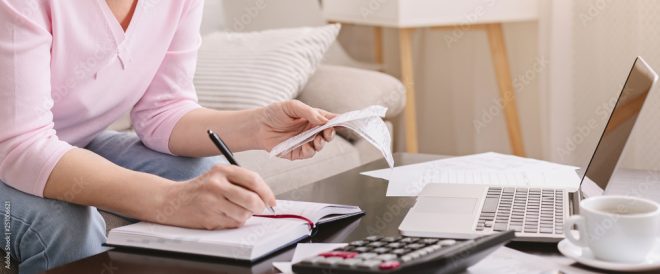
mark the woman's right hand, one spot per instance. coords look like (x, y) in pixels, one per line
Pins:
(224, 197)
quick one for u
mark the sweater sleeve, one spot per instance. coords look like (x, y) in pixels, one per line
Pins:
(29, 146)
(171, 93)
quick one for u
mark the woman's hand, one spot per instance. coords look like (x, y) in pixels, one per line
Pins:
(224, 197)
(281, 121)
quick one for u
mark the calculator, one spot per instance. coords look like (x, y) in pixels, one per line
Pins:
(400, 254)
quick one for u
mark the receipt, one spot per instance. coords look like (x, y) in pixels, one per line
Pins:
(366, 122)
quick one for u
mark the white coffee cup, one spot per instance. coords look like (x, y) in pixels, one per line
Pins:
(615, 228)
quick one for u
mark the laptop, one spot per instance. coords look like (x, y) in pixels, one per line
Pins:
(536, 214)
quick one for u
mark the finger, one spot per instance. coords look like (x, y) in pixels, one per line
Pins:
(307, 151)
(327, 114)
(244, 198)
(297, 109)
(288, 156)
(226, 222)
(249, 180)
(318, 142)
(221, 222)
(232, 210)
(328, 134)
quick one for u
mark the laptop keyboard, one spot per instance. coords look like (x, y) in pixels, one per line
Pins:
(527, 210)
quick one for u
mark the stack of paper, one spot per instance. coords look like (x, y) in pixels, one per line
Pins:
(366, 122)
(485, 168)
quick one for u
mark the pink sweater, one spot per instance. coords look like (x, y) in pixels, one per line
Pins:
(68, 70)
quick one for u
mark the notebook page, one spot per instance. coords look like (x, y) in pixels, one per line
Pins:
(253, 231)
(312, 211)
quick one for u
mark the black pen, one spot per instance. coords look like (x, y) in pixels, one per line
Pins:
(226, 152)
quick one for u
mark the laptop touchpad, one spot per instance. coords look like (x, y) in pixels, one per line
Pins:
(445, 205)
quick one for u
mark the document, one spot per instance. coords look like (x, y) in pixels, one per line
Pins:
(485, 168)
(367, 123)
(304, 251)
(506, 261)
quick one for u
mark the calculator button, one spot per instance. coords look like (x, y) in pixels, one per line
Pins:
(367, 255)
(358, 243)
(377, 244)
(389, 265)
(368, 264)
(340, 254)
(329, 261)
(372, 238)
(407, 258)
(389, 239)
(415, 254)
(400, 251)
(361, 249)
(395, 245)
(381, 250)
(447, 242)
(408, 240)
(415, 246)
(386, 257)
(349, 262)
(432, 248)
(430, 241)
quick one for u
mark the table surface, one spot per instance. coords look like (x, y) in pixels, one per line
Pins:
(384, 214)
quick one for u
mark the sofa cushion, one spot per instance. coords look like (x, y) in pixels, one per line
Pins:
(341, 89)
(247, 70)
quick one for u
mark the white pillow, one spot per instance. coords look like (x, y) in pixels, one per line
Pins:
(252, 69)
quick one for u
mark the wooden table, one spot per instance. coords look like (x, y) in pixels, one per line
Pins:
(384, 214)
(457, 16)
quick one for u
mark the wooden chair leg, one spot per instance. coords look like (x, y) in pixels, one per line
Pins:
(407, 76)
(378, 45)
(505, 83)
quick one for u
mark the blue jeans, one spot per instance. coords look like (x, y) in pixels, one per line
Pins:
(45, 233)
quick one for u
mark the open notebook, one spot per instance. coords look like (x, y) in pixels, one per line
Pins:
(258, 237)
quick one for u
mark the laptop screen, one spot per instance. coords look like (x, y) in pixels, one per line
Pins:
(620, 124)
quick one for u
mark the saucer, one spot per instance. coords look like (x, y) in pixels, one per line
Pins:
(585, 257)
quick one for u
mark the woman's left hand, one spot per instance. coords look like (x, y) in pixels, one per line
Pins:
(281, 121)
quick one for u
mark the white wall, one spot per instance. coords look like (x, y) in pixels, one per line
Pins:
(457, 92)
(213, 18)
(608, 36)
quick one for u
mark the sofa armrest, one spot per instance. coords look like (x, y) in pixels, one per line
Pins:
(340, 89)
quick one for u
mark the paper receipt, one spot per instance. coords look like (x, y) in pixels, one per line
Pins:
(367, 123)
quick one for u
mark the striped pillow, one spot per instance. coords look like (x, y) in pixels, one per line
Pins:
(254, 69)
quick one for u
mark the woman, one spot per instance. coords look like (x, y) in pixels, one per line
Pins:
(68, 70)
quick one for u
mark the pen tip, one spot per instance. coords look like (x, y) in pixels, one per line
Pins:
(209, 131)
